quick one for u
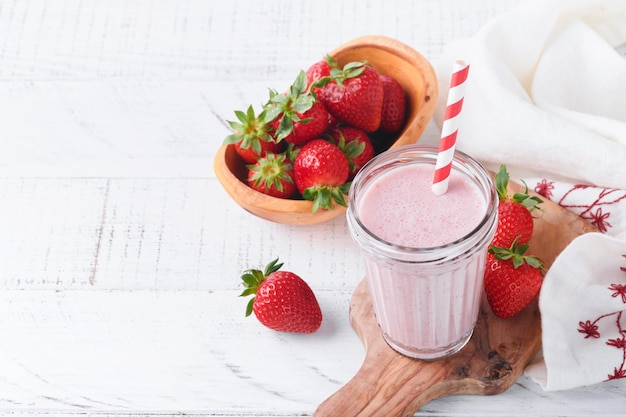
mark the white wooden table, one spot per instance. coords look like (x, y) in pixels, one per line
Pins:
(120, 253)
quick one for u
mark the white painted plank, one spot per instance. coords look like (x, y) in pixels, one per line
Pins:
(156, 351)
(236, 40)
(154, 233)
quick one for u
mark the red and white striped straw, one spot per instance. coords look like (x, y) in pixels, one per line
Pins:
(450, 127)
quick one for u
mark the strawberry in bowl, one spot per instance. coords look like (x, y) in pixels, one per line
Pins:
(325, 99)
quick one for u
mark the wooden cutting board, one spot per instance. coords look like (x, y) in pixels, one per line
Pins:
(389, 384)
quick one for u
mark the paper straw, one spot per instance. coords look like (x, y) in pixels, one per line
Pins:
(450, 127)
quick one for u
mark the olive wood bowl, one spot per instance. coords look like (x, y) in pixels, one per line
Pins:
(387, 56)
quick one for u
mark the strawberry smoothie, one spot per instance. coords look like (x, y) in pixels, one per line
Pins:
(424, 254)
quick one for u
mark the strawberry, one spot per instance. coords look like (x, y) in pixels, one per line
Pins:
(512, 280)
(515, 219)
(296, 115)
(281, 301)
(355, 144)
(272, 175)
(299, 128)
(251, 153)
(252, 136)
(316, 72)
(291, 151)
(321, 170)
(332, 121)
(352, 94)
(394, 105)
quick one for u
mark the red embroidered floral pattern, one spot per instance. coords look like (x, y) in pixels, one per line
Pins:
(594, 211)
(617, 374)
(544, 188)
(599, 220)
(590, 329)
(596, 207)
(619, 289)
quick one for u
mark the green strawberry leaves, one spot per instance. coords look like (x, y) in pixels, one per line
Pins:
(249, 129)
(502, 181)
(252, 278)
(338, 74)
(515, 253)
(351, 149)
(271, 170)
(288, 106)
(324, 196)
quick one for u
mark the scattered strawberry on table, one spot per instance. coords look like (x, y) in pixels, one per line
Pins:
(353, 107)
(281, 301)
(512, 278)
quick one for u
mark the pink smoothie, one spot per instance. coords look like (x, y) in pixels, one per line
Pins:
(424, 312)
(400, 207)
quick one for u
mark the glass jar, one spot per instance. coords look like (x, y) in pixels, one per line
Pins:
(425, 293)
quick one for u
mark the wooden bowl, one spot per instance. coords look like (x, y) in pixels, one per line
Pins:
(387, 56)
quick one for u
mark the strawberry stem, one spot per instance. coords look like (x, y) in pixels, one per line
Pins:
(287, 106)
(351, 149)
(326, 196)
(252, 278)
(249, 130)
(338, 74)
(271, 170)
(515, 253)
(502, 182)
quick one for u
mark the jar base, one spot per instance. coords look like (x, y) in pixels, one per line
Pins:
(429, 354)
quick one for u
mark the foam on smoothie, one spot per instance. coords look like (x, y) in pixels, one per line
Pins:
(400, 207)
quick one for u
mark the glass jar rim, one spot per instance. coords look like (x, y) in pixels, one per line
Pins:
(410, 154)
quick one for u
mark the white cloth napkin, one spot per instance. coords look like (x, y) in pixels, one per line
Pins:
(546, 95)
(583, 309)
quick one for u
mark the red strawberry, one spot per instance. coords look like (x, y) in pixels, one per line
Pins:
(299, 128)
(512, 280)
(321, 170)
(251, 153)
(394, 105)
(355, 144)
(354, 94)
(316, 72)
(296, 116)
(332, 121)
(281, 301)
(514, 213)
(252, 136)
(272, 175)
